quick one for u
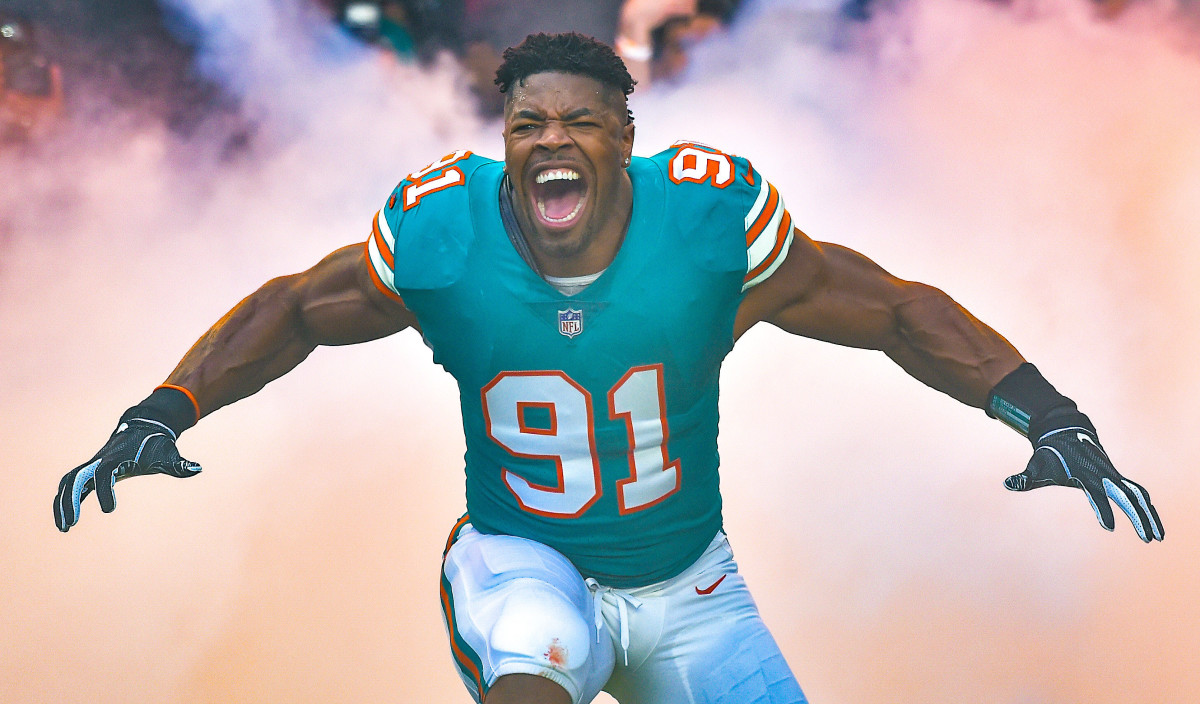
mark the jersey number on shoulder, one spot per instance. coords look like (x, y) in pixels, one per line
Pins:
(435, 177)
(699, 164)
(568, 438)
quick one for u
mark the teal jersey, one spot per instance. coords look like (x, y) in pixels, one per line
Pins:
(590, 420)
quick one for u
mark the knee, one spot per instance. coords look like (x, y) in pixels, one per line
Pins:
(537, 620)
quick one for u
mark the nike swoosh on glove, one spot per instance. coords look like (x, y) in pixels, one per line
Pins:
(138, 446)
(1072, 456)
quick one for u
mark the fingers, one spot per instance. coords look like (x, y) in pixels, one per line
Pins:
(1046, 467)
(178, 468)
(72, 489)
(1135, 502)
(186, 468)
(106, 480)
(158, 454)
(1098, 496)
(1143, 499)
(1130, 497)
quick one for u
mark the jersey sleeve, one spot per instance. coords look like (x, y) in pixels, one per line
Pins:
(381, 251)
(420, 237)
(735, 201)
(768, 226)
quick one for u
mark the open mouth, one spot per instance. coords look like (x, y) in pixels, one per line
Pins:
(559, 195)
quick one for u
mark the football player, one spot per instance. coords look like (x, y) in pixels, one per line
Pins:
(584, 300)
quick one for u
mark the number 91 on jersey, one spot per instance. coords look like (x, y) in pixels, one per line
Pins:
(568, 438)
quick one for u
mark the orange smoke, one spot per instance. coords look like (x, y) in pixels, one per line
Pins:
(1039, 165)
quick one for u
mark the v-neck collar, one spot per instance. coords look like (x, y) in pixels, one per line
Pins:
(644, 211)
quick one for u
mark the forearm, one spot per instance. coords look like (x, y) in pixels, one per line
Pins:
(258, 341)
(941, 344)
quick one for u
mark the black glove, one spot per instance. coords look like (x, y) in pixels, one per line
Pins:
(1072, 456)
(1067, 451)
(143, 443)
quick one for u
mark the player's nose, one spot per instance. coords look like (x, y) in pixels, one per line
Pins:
(553, 135)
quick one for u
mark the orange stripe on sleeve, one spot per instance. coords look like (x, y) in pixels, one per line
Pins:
(764, 217)
(781, 234)
(383, 288)
(189, 394)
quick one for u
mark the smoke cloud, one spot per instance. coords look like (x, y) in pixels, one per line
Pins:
(1035, 161)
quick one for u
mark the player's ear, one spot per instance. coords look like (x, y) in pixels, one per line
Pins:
(627, 141)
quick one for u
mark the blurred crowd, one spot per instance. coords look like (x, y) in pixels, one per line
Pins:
(31, 93)
(101, 61)
(652, 36)
(142, 51)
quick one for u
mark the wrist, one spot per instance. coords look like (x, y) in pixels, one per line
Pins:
(173, 406)
(1057, 420)
(1029, 404)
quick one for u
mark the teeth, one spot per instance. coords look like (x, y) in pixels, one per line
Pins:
(571, 216)
(557, 175)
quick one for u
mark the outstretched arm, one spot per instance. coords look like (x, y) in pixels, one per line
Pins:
(261, 339)
(279, 325)
(832, 293)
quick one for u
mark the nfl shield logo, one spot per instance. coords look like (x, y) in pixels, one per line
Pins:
(570, 322)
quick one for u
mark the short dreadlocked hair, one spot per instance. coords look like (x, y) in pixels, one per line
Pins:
(570, 52)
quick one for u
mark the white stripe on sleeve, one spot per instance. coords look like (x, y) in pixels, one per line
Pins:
(386, 230)
(764, 189)
(766, 273)
(380, 265)
(764, 244)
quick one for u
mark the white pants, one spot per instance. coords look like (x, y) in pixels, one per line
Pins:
(516, 606)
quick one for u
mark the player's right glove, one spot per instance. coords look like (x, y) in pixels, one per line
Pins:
(1067, 451)
(143, 443)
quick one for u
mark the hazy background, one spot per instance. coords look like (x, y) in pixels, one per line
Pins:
(1040, 165)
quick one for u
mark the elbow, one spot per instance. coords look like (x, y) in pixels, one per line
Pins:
(279, 305)
(917, 303)
(283, 294)
(918, 312)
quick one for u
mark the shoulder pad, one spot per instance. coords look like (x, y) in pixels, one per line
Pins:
(742, 212)
(427, 222)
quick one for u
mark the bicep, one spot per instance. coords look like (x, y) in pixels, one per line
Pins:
(341, 304)
(831, 293)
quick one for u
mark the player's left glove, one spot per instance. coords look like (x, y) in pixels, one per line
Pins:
(1072, 456)
(1067, 451)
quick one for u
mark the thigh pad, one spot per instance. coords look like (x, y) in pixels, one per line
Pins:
(516, 606)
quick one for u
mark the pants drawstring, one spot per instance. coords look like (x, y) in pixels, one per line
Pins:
(599, 594)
